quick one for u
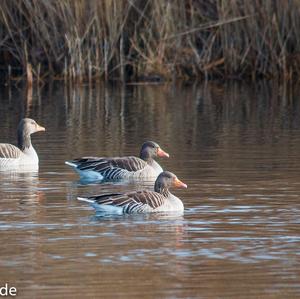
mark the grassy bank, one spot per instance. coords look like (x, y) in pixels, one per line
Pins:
(79, 40)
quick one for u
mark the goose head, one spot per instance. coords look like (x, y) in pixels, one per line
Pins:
(151, 150)
(167, 180)
(27, 126)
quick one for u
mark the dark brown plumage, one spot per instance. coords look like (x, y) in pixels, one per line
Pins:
(122, 167)
(142, 201)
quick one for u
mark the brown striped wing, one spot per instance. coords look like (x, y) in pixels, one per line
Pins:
(111, 167)
(133, 202)
(9, 151)
(128, 163)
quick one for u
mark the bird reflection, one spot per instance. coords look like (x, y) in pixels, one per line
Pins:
(23, 185)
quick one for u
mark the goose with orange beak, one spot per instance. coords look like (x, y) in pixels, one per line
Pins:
(145, 201)
(102, 168)
(23, 156)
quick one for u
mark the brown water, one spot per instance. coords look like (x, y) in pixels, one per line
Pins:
(236, 146)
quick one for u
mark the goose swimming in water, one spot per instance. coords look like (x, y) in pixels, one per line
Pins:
(23, 156)
(100, 168)
(159, 200)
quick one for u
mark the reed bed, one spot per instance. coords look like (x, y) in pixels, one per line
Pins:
(131, 40)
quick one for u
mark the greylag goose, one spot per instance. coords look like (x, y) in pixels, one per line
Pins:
(159, 200)
(12, 157)
(100, 168)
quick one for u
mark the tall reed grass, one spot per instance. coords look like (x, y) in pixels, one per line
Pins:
(79, 40)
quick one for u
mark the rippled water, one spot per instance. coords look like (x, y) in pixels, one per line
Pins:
(236, 146)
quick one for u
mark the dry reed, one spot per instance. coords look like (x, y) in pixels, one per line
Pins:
(79, 40)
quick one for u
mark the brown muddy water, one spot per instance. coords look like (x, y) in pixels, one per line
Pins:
(237, 147)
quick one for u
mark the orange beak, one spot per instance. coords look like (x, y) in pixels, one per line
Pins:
(161, 153)
(179, 184)
(40, 128)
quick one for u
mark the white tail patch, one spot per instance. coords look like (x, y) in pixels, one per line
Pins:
(71, 164)
(85, 199)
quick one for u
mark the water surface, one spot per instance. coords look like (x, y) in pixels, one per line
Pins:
(236, 146)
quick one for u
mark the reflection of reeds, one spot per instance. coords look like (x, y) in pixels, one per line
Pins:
(130, 39)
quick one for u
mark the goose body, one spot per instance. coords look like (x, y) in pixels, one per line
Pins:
(131, 167)
(159, 200)
(24, 155)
